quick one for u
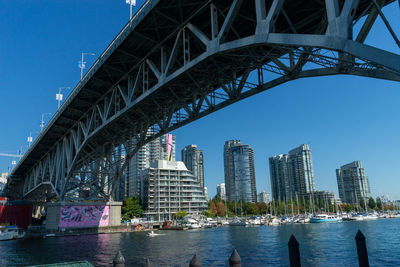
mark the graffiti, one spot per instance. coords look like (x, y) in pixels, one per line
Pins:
(168, 138)
(84, 216)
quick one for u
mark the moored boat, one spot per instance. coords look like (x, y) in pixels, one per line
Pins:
(237, 222)
(11, 232)
(320, 218)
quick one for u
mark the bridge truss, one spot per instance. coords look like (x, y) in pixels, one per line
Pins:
(177, 61)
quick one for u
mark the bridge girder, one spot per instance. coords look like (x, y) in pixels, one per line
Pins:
(217, 54)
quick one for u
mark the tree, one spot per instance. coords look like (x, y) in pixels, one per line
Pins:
(347, 208)
(221, 211)
(379, 203)
(362, 203)
(252, 209)
(131, 208)
(262, 207)
(206, 213)
(371, 203)
(213, 209)
(180, 214)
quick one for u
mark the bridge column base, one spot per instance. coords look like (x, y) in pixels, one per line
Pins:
(66, 215)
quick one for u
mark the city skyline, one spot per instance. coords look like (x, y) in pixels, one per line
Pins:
(323, 106)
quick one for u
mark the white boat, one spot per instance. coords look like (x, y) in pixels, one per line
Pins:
(151, 234)
(370, 217)
(11, 232)
(320, 218)
(194, 226)
(49, 235)
(302, 219)
(275, 221)
(225, 222)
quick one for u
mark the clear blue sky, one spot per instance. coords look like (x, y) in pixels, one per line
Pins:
(343, 118)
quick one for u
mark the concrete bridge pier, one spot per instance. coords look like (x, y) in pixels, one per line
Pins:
(63, 216)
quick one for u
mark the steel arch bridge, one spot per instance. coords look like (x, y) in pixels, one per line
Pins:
(179, 60)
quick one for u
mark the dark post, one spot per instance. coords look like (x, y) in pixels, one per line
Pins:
(119, 260)
(362, 250)
(147, 263)
(234, 260)
(294, 252)
(195, 262)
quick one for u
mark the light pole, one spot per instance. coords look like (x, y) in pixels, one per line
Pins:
(59, 96)
(82, 63)
(131, 3)
(42, 121)
(30, 138)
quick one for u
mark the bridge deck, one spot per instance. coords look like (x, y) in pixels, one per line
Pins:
(152, 27)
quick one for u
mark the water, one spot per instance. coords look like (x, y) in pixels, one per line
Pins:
(326, 244)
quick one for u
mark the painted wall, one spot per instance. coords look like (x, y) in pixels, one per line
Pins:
(84, 216)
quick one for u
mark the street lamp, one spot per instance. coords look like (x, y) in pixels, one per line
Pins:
(30, 138)
(59, 96)
(82, 64)
(131, 3)
(42, 121)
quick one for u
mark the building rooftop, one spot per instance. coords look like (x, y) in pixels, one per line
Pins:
(354, 164)
(168, 165)
(299, 149)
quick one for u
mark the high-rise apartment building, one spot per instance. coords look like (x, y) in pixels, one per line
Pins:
(301, 170)
(229, 169)
(221, 192)
(162, 148)
(169, 187)
(194, 162)
(292, 175)
(240, 180)
(279, 175)
(353, 183)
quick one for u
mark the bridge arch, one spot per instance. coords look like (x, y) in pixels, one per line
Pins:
(196, 69)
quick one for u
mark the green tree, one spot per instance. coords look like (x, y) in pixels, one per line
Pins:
(347, 208)
(131, 208)
(180, 214)
(252, 209)
(206, 213)
(371, 203)
(379, 203)
(262, 207)
(362, 203)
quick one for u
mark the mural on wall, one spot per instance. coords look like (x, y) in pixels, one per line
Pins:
(84, 216)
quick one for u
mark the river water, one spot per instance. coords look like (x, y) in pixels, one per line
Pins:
(326, 244)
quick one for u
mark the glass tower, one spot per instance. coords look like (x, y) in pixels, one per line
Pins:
(353, 184)
(193, 159)
(240, 180)
(292, 175)
(301, 170)
(279, 174)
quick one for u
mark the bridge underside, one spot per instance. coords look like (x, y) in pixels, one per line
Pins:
(178, 61)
